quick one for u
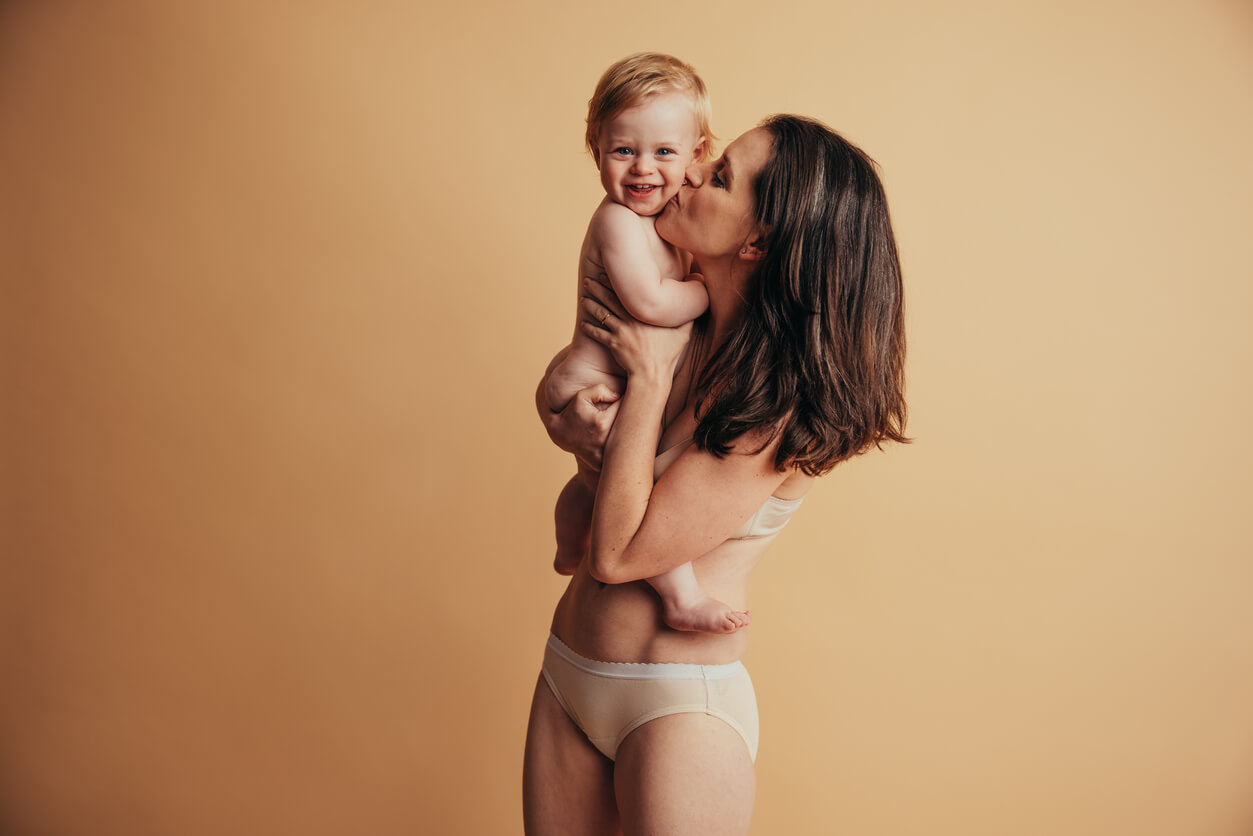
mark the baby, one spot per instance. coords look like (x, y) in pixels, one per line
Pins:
(647, 121)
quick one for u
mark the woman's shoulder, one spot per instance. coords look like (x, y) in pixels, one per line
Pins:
(794, 486)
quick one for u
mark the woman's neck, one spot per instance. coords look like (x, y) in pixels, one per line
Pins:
(725, 280)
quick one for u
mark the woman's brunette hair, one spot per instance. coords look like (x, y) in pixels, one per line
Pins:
(819, 360)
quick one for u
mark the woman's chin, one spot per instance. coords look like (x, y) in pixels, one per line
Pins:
(662, 224)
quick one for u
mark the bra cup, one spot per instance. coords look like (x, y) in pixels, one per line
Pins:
(766, 522)
(769, 519)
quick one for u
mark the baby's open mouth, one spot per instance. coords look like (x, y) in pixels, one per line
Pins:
(640, 191)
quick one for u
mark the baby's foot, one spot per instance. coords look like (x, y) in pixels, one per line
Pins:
(706, 615)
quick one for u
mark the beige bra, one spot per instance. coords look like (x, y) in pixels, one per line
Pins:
(768, 520)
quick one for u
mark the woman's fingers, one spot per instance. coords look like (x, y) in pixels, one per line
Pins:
(599, 395)
(593, 411)
(596, 407)
(598, 320)
(594, 331)
(635, 345)
(603, 295)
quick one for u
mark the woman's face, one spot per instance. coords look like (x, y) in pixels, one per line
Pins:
(714, 213)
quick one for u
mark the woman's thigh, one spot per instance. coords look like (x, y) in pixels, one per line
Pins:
(567, 786)
(685, 774)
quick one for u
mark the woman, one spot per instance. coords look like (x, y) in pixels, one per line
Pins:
(796, 367)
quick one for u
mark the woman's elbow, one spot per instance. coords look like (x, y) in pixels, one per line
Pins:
(601, 572)
(605, 568)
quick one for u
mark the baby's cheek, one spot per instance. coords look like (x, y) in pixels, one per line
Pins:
(677, 169)
(671, 188)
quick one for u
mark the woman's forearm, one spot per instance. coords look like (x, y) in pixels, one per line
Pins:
(626, 479)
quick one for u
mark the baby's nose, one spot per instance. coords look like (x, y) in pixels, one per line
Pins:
(643, 163)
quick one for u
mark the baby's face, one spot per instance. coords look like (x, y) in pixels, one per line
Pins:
(645, 150)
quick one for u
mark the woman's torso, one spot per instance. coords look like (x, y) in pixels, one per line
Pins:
(623, 622)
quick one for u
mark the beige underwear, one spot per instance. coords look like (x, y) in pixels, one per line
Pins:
(609, 700)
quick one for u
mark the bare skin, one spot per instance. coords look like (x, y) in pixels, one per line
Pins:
(684, 773)
(687, 606)
(567, 785)
(681, 773)
(681, 768)
(570, 517)
(669, 773)
(642, 154)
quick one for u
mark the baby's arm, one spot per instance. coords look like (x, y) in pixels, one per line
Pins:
(635, 276)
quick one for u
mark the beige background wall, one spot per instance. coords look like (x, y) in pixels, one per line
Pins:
(278, 281)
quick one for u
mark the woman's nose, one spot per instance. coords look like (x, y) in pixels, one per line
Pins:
(695, 175)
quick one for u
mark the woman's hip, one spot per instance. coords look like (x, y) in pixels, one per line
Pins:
(609, 700)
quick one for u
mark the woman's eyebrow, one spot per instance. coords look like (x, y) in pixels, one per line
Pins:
(727, 173)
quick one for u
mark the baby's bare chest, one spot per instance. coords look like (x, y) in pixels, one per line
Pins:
(670, 260)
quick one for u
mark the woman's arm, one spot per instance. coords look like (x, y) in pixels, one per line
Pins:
(640, 529)
(626, 484)
(699, 502)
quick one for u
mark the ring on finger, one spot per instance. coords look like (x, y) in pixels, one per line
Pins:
(606, 316)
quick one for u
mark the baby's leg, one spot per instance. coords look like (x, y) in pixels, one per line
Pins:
(687, 607)
(573, 516)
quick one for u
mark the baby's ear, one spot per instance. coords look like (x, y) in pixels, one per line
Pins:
(596, 157)
(700, 150)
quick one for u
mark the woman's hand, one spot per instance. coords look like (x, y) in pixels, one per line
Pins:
(582, 427)
(638, 347)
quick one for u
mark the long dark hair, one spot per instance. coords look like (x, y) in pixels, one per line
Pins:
(819, 360)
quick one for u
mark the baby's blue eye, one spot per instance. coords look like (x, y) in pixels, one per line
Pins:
(622, 151)
(665, 152)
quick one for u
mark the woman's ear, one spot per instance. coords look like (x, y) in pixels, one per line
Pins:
(755, 248)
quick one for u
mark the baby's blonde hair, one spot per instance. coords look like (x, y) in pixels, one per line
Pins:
(633, 80)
